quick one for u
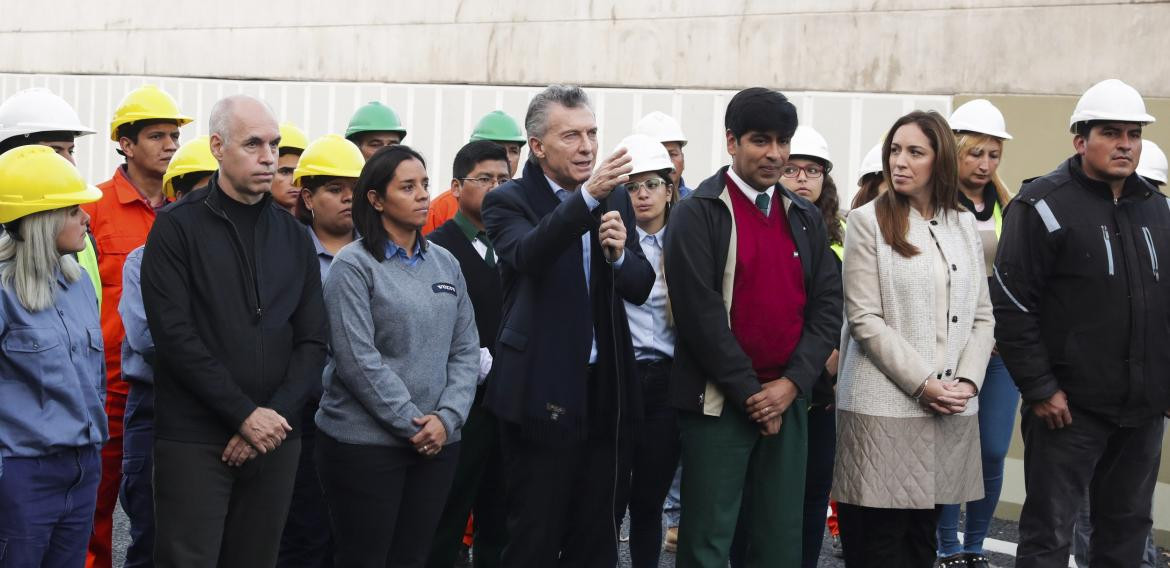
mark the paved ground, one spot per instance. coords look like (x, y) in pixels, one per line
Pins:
(1000, 530)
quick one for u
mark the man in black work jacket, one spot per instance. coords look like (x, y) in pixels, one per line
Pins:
(1081, 322)
(563, 384)
(232, 291)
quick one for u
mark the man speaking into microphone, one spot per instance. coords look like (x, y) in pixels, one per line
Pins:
(564, 365)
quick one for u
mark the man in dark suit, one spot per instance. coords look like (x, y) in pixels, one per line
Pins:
(479, 168)
(564, 365)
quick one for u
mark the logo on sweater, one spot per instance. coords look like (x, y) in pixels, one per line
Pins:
(443, 288)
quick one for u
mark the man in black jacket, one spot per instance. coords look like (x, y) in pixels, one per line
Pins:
(564, 363)
(756, 300)
(479, 167)
(232, 292)
(1081, 322)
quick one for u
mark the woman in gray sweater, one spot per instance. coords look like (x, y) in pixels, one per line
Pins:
(403, 374)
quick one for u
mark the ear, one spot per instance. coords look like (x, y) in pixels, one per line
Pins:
(456, 188)
(732, 143)
(304, 197)
(375, 200)
(536, 147)
(127, 146)
(216, 147)
(1080, 144)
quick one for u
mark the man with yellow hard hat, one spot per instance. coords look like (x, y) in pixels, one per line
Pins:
(292, 143)
(145, 127)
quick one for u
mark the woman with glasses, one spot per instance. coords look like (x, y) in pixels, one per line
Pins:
(655, 446)
(806, 173)
(918, 334)
(403, 374)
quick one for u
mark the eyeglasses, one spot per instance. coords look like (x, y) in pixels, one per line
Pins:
(652, 184)
(488, 180)
(810, 171)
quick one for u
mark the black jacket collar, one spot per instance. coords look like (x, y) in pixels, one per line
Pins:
(1135, 187)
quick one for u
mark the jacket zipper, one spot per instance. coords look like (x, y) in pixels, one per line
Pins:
(243, 258)
(1108, 248)
(1153, 252)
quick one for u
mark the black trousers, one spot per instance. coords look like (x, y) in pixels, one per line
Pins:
(384, 502)
(1116, 466)
(654, 458)
(818, 480)
(888, 538)
(307, 540)
(561, 499)
(208, 513)
(478, 486)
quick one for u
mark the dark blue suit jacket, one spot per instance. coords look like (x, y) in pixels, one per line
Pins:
(541, 381)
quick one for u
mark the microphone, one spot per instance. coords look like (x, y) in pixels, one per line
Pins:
(606, 207)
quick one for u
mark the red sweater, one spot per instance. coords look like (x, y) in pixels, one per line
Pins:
(767, 307)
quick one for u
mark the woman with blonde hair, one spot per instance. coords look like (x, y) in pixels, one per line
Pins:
(52, 380)
(914, 351)
(979, 135)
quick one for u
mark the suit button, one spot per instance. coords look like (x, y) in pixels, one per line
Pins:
(933, 222)
(948, 372)
(954, 319)
(953, 267)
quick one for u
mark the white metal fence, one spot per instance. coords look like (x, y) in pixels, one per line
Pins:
(439, 118)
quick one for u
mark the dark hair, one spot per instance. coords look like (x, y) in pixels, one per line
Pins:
(376, 175)
(830, 205)
(892, 208)
(131, 130)
(36, 138)
(760, 110)
(472, 153)
(309, 184)
(1084, 127)
(289, 150)
(869, 188)
(185, 183)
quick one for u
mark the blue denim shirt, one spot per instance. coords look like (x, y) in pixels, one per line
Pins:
(52, 373)
(137, 347)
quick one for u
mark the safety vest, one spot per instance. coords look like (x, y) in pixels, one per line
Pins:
(998, 214)
(87, 258)
(839, 248)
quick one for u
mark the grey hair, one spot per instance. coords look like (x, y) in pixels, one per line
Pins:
(29, 266)
(568, 96)
(220, 123)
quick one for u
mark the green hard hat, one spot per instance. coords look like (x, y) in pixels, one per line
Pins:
(497, 126)
(374, 117)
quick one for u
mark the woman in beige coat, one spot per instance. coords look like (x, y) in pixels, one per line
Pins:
(916, 342)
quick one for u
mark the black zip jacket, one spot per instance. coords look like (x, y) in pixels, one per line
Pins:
(229, 339)
(1080, 304)
(695, 259)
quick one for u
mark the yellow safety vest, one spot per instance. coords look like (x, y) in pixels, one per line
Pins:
(998, 214)
(839, 248)
(87, 258)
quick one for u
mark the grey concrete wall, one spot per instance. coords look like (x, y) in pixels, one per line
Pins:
(910, 46)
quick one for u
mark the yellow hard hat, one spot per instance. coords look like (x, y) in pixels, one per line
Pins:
(192, 157)
(292, 137)
(35, 178)
(330, 155)
(147, 102)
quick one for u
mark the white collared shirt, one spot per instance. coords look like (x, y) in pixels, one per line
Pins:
(652, 337)
(750, 191)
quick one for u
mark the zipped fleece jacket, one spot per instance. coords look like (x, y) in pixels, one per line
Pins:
(710, 367)
(1080, 304)
(230, 338)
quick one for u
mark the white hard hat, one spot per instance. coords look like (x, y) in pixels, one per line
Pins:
(646, 154)
(661, 127)
(1110, 100)
(871, 163)
(980, 116)
(38, 110)
(808, 142)
(1152, 164)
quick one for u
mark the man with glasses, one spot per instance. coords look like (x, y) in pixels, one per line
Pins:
(479, 168)
(757, 308)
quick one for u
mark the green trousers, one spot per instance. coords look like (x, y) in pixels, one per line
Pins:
(725, 460)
